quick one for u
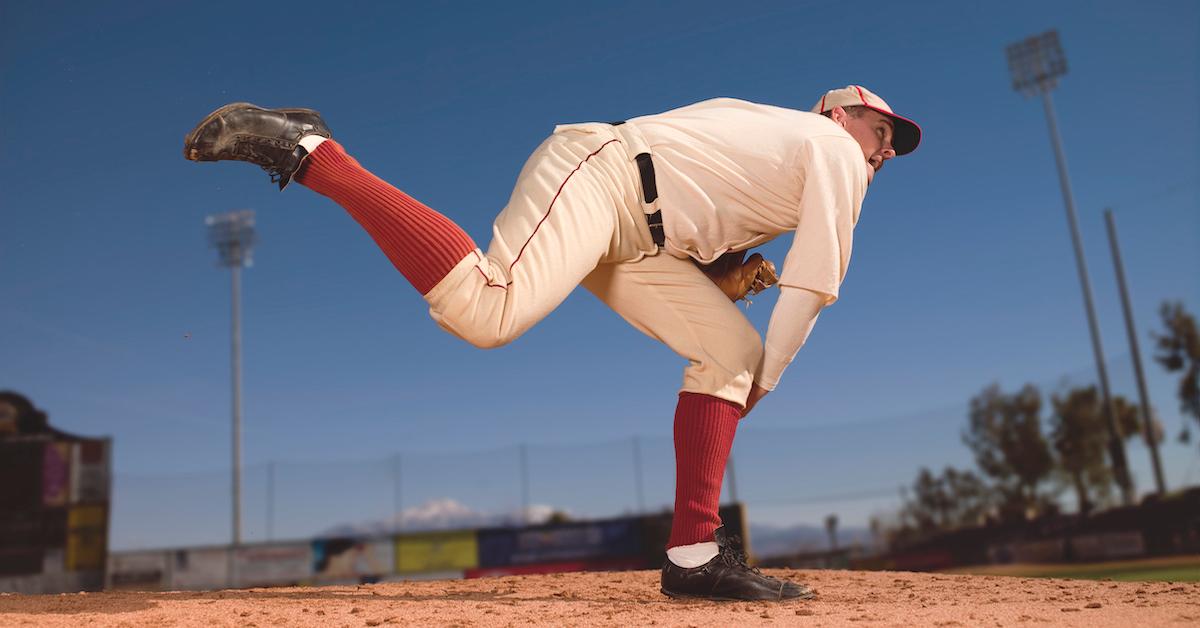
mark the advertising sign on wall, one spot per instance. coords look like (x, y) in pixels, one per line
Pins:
(349, 559)
(87, 534)
(56, 474)
(560, 543)
(89, 471)
(436, 551)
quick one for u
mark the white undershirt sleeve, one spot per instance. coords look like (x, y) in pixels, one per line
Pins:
(792, 321)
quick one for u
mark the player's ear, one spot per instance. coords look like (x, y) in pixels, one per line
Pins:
(838, 115)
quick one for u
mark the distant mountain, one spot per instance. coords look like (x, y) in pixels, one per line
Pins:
(773, 540)
(439, 514)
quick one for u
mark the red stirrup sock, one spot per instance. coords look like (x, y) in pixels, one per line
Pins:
(422, 244)
(704, 429)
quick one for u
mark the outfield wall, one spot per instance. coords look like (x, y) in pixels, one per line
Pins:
(618, 544)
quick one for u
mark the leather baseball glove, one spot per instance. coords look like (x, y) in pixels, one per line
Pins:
(739, 278)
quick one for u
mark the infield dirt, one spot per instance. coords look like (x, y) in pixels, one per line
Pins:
(844, 598)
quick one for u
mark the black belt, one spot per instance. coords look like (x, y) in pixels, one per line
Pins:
(650, 193)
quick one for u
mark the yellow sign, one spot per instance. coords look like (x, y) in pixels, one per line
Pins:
(86, 536)
(436, 551)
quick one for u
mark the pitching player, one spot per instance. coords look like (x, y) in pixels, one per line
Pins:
(629, 210)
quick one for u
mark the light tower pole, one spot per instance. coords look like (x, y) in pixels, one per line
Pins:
(232, 234)
(1148, 431)
(1036, 63)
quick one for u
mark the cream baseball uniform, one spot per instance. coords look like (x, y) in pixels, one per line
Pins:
(731, 175)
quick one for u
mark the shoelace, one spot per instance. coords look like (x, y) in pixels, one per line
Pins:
(249, 149)
(733, 555)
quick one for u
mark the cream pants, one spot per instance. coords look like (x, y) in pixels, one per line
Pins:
(576, 217)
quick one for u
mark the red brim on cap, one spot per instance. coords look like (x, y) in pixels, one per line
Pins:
(906, 135)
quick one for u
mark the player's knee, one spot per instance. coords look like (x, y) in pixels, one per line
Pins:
(489, 342)
(738, 355)
(490, 338)
(485, 341)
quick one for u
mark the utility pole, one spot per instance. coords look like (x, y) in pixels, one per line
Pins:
(637, 474)
(1135, 351)
(271, 501)
(524, 452)
(1036, 64)
(397, 503)
(232, 234)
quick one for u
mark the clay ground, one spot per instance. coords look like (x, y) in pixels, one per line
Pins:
(845, 598)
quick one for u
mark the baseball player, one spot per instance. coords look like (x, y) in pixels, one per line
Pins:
(632, 211)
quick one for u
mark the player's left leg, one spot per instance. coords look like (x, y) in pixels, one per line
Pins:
(669, 299)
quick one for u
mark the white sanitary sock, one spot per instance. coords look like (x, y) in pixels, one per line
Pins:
(689, 556)
(311, 142)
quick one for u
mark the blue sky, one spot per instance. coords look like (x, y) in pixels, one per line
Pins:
(115, 317)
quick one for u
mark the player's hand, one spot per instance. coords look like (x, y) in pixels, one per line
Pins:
(756, 392)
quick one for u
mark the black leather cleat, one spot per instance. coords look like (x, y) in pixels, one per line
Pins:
(267, 138)
(728, 577)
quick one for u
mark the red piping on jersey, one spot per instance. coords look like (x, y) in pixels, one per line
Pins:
(549, 209)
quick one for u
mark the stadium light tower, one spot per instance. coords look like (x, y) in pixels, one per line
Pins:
(1036, 63)
(232, 234)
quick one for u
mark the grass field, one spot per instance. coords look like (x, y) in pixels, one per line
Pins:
(1171, 569)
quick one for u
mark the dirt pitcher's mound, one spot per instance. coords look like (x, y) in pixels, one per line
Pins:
(850, 598)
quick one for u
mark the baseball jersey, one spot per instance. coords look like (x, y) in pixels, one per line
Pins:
(733, 174)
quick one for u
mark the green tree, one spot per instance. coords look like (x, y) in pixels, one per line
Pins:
(1179, 350)
(1079, 432)
(1005, 434)
(944, 502)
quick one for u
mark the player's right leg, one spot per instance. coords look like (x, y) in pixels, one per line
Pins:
(421, 243)
(570, 210)
(671, 300)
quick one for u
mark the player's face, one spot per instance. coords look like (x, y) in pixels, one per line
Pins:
(873, 131)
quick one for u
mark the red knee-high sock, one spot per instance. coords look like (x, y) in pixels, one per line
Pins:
(422, 244)
(704, 429)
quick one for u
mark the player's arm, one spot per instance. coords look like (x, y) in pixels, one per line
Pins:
(797, 309)
(792, 321)
(834, 183)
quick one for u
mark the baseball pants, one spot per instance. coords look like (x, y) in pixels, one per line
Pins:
(576, 217)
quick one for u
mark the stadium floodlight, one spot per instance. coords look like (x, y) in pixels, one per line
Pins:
(1036, 63)
(232, 234)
